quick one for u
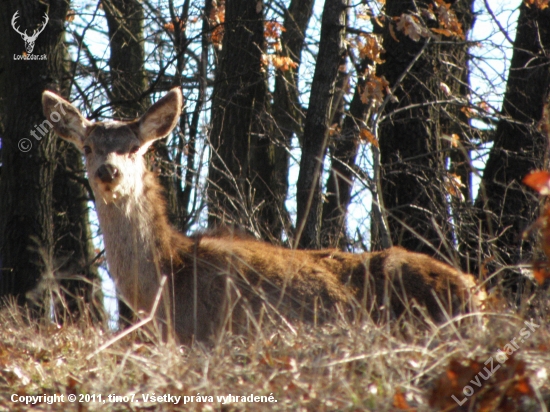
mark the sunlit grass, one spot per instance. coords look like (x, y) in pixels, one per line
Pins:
(335, 366)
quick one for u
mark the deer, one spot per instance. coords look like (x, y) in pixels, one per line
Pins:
(222, 280)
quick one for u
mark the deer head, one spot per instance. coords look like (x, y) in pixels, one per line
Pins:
(114, 150)
(29, 40)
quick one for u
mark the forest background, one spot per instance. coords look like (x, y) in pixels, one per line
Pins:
(310, 124)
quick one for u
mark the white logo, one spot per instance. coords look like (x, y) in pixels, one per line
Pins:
(29, 40)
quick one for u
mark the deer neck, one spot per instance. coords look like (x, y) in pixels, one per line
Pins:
(137, 236)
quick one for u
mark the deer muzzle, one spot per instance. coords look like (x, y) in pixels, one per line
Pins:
(107, 173)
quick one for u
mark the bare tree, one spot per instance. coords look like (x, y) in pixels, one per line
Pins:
(507, 208)
(240, 170)
(28, 163)
(315, 138)
(388, 97)
(413, 151)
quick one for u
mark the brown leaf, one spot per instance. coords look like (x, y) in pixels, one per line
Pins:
(282, 63)
(70, 15)
(452, 382)
(448, 21)
(540, 272)
(370, 47)
(484, 106)
(273, 30)
(538, 180)
(453, 184)
(217, 17)
(468, 111)
(455, 140)
(375, 88)
(366, 136)
(539, 4)
(400, 402)
(171, 28)
(444, 32)
(411, 26)
(392, 33)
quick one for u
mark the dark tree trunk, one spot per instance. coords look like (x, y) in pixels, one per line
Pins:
(26, 225)
(343, 150)
(507, 208)
(73, 247)
(456, 75)
(330, 56)
(241, 166)
(455, 123)
(412, 153)
(287, 111)
(189, 175)
(126, 62)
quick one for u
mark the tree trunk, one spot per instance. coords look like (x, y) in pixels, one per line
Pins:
(190, 177)
(455, 123)
(340, 180)
(287, 110)
(309, 190)
(507, 207)
(241, 165)
(74, 251)
(412, 152)
(126, 62)
(26, 225)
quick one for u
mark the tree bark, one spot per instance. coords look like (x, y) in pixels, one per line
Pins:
(190, 177)
(127, 58)
(26, 225)
(287, 110)
(73, 249)
(309, 190)
(412, 152)
(241, 164)
(506, 206)
(340, 179)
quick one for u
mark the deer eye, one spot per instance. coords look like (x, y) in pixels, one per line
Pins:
(87, 150)
(134, 149)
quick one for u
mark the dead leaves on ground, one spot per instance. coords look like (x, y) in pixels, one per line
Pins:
(482, 385)
(539, 181)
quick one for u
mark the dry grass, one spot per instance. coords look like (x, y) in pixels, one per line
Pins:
(334, 367)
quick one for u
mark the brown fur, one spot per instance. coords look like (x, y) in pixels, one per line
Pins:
(218, 280)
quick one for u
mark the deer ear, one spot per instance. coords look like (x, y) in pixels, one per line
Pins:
(67, 121)
(161, 117)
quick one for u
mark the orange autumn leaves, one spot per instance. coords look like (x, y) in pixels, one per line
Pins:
(540, 181)
(503, 386)
(415, 28)
(272, 32)
(539, 4)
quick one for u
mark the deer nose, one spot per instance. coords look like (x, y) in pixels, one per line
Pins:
(107, 173)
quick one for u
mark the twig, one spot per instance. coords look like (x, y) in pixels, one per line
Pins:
(136, 326)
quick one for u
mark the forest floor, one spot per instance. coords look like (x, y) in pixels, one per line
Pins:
(499, 361)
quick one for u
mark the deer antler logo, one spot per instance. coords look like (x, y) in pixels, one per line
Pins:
(29, 40)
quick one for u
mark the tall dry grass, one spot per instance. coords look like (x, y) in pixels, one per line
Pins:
(338, 366)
